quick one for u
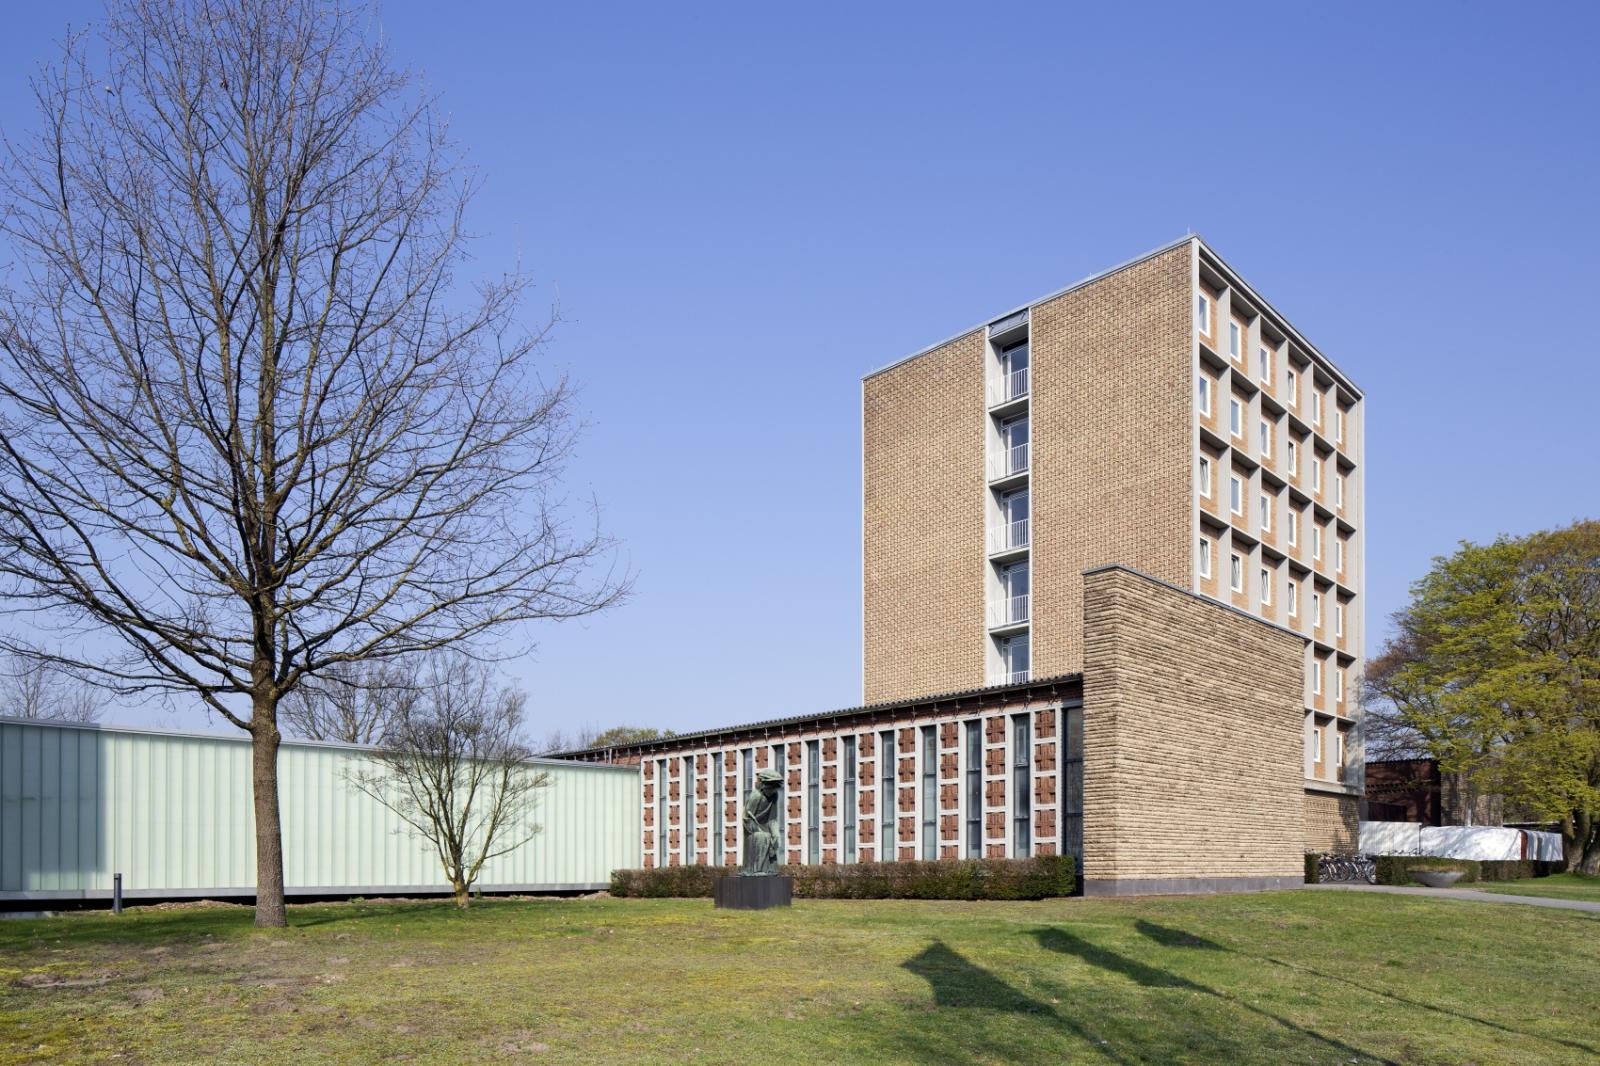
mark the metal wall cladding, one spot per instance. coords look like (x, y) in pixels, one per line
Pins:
(172, 813)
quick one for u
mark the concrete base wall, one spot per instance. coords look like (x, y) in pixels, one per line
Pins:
(1193, 751)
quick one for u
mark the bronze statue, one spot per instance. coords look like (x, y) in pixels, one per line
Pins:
(763, 826)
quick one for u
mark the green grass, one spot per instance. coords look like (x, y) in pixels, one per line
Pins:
(1289, 977)
(1556, 886)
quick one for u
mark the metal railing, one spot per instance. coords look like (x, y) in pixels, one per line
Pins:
(1012, 460)
(1015, 534)
(1015, 676)
(1013, 385)
(1013, 609)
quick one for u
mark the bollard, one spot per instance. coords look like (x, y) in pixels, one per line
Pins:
(116, 893)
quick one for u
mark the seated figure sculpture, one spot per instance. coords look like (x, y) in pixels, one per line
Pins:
(762, 826)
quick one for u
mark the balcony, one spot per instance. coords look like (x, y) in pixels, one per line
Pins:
(1016, 677)
(1007, 537)
(1009, 463)
(1009, 612)
(1009, 388)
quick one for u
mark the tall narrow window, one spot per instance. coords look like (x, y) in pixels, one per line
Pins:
(1021, 787)
(661, 812)
(1014, 587)
(849, 799)
(1316, 474)
(1338, 424)
(1292, 600)
(1205, 556)
(1202, 312)
(1266, 587)
(1236, 494)
(1293, 381)
(688, 810)
(1235, 418)
(888, 801)
(1294, 460)
(1263, 362)
(1235, 339)
(1294, 527)
(1205, 395)
(1205, 476)
(1316, 407)
(974, 772)
(1338, 619)
(1316, 676)
(930, 795)
(1316, 541)
(1316, 616)
(1072, 784)
(1338, 550)
(1014, 364)
(716, 788)
(813, 803)
(749, 770)
(1014, 508)
(1235, 572)
(778, 763)
(1265, 433)
(1266, 513)
(1014, 655)
(1338, 491)
(1014, 435)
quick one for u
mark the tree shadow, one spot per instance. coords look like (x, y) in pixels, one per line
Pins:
(1170, 937)
(1059, 940)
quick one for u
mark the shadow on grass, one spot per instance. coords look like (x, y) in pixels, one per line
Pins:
(1059, 940)
(1170, 937)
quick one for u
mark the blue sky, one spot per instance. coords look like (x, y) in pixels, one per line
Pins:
(745, 208)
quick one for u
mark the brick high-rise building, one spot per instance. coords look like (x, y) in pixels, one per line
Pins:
(1161, 415)
(1111, 576)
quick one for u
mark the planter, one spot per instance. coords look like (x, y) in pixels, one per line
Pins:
(1436, 878)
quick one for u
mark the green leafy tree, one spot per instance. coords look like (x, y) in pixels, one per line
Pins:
(1494, 670)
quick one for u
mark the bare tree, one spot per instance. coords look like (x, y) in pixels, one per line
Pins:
(34, 689)
(251, 424)
(454, 769)
(350, 702)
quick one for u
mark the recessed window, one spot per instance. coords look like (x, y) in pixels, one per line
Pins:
(1266, 587)
(1316, 541)
(1202, 312)
(1294, 527)
(1236, 494)
(1316, 473)
(1205, 476)
(1235, 572)
(1266, 439)
(1338, 490)
(1235, 339)
(1205, 557)
(1263, 362)
(1294, 461)
(1316, 407)
(1293, 380)
(1235, 418)
(1014, 657)
(1014, 370)
(1338, 424)
(1316, 686)
(1205, 395)
(1338, 697)
(1266, 513)
(1316, 744)
(1338, 745)
(1338, 551)
(1292, 591)
(1338, 619)
(1316, 610)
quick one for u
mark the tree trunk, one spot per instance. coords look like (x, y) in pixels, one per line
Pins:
(1580, 841)
(460, 887)
(264, 735)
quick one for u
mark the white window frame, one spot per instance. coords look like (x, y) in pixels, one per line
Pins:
(1316, 611)
(1294, 528)
(1235, 494)
(1293, 600)
(1338, 618)
(1206, 389)
(1338, 687)
(1263, 363)
(1235, 340)
(1266, 439)
(1338, 745)
(1205, 557)
(1266, 513)
(1266, 587)
(1316, 407)
(1338, 551)
(1203, 311)
(1294, 388)
(1338, 423)
(1316, 473)
(1235, 572)
(1294, 459)
(1338, 491)
(1316, 744)
(1235, 417)
(1316, 678)
(1316, 541)
(1205, 476)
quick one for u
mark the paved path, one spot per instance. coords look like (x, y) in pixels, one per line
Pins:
(1470, 893)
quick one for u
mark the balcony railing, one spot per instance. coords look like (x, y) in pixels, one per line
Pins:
(1011, 610)
(1013, 385)
(1011, 460)
(1014, 677)
(1014, 534)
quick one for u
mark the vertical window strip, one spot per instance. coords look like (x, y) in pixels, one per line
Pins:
(1021, 790)
(849, 799)
(974, 770)
(888, 801)
(1072, 785)
(930, 795)
(688, 810)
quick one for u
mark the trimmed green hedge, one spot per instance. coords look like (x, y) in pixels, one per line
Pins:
(1313, 875)
(1396, 869)
(1037, 878)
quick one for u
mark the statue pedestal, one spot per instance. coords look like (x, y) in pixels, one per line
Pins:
(753, 893)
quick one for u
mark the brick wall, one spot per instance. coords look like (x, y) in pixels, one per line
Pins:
(1192, 742)
(1333, 823)
(923, 546)
(1112, 433)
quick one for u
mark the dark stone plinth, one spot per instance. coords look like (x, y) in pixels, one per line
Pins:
(754, 893)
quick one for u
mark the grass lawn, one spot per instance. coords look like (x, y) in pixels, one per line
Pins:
(1288, 977)
(1556, 886)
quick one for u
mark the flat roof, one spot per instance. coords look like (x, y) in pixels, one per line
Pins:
(1298, 337)
(679, 739)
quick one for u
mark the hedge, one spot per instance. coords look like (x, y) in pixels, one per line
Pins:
(1396, 869)
(1040, 877)
(1313, 875)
